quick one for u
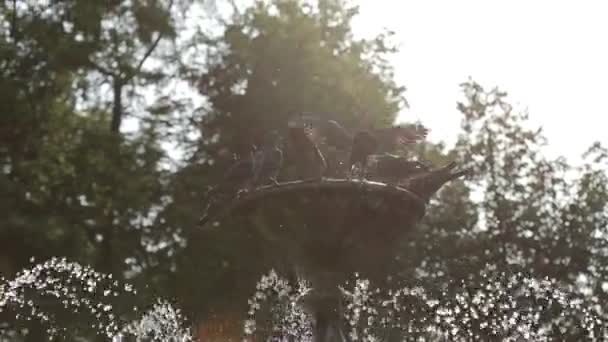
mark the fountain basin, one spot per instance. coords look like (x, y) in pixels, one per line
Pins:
(325, 229)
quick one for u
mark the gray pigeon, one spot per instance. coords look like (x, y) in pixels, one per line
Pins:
(267, 161)
(394, 169)
(426, 184)
(335, 135)
(364, 144)
(238, 178)
(309, 160)
(388, 138)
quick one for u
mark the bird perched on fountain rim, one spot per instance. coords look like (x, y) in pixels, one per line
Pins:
(367, 142)
(364, 144)
(238, 178)
(426, 184)
(405, 134)
(267, 160)
(310, 162)
(240, 175)
(394, 169)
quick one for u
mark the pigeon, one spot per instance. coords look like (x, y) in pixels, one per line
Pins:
(267, 161)
(238, 178)
(309, 160)
(426, 184)
(391, 137)
(388, 138)
(364, 144)
(335, 135)
(394, 169)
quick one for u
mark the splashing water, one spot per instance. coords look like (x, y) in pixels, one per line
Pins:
(161, 323)
(77, 288)
(81, 290)
(508, 307)
(288, 318)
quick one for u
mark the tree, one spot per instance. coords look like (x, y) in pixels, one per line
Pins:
(73, 185)
(284, 57)
(528, 218)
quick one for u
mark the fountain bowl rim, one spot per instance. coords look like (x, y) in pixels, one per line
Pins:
(336, 184)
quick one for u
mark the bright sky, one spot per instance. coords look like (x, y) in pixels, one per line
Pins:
(550, 56)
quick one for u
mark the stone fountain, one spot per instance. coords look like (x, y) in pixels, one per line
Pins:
(329, 229)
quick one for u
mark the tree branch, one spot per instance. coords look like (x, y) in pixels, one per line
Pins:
(14, 23)
(151, 49)
(101, 69)
(137, 69)
(236, 14)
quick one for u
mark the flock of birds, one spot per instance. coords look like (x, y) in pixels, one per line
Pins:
(369, 156)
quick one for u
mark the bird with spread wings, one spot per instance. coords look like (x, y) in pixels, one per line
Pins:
(364, 142)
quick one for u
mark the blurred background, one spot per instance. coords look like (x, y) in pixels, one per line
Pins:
(117, 116)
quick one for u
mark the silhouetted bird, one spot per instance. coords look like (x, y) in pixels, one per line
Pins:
(393, 169)
(239, 177)
(384, 140)
(309, 160)
(427, 183)
(391, 137)
(267, 161)
(364, 144)
(336, 135)
(388, 138)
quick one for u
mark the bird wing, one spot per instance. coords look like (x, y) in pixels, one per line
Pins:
(336, 135)
(258, 160)
(413, 132)
(278, 156)
(400, 135)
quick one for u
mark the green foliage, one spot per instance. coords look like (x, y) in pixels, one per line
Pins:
(70, 186)
(74, 184)
(284, 57)
(531, 214)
